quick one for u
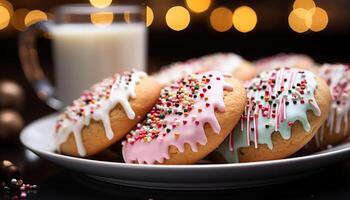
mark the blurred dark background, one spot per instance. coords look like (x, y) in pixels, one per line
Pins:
(281, 26)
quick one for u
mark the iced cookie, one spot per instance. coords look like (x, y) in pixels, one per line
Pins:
(229, 63)
(222, 62)
(336, 128)
(285, 108)
(105, 113)
(285, 60)
(168, 74)
(191, 118)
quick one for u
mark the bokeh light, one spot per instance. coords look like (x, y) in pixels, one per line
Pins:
(306, 4)
(244, 19)
(221, 19)
(149, 16)
(178, 18)
(317, 19)
(198, 6)
(4, 17)
(18, 19)
(7, 5)
(102, 18)
(297, 20)
(100, 3)
(34, 16)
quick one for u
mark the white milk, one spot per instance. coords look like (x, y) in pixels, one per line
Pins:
(86, 54)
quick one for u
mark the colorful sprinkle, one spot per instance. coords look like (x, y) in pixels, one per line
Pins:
(262, 118)
(187, 116)
(96, 104)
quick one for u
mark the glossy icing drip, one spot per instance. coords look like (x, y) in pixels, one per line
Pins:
(178, 118)
(96, 104)
(338, 79)
(223, 62)
(276, 100)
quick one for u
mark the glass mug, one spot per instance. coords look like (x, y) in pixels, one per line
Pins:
(89, 44)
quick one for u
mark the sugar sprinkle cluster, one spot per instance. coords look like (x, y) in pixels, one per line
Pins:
(96, 104)
(276, 99)
(90, 100)
(177, 99)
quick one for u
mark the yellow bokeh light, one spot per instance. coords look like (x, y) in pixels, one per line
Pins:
(178, 18)
(7, 5)
(301, 13)
(4, 17)
(102, 18)
(221, 19)
(34, 16)
(317, 19)
(306, 4)
(100, 3)
(298, 20)
(198, 6)
(18, 19)
(244, 19)
(149, 16)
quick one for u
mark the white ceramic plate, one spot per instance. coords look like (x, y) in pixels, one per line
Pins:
(38, 137)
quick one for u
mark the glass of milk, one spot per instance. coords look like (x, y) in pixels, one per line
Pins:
(89, 44)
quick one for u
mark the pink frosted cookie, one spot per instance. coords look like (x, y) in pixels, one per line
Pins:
(224, 62)
(285, 108)
(191, 118)
(336, 128)
(284, 60)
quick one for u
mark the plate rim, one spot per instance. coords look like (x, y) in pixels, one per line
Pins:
(27, 129)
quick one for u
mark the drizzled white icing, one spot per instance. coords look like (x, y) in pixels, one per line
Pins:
(96, 104)
(337, 77)
(276, 100)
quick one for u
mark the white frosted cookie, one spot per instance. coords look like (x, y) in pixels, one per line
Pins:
(105, 113)
(229, 63)
(285, 108)
(284, 60)
(223, 62)
(336, 128)
(169, 74)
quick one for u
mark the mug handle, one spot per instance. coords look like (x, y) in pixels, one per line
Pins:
(28, 55)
